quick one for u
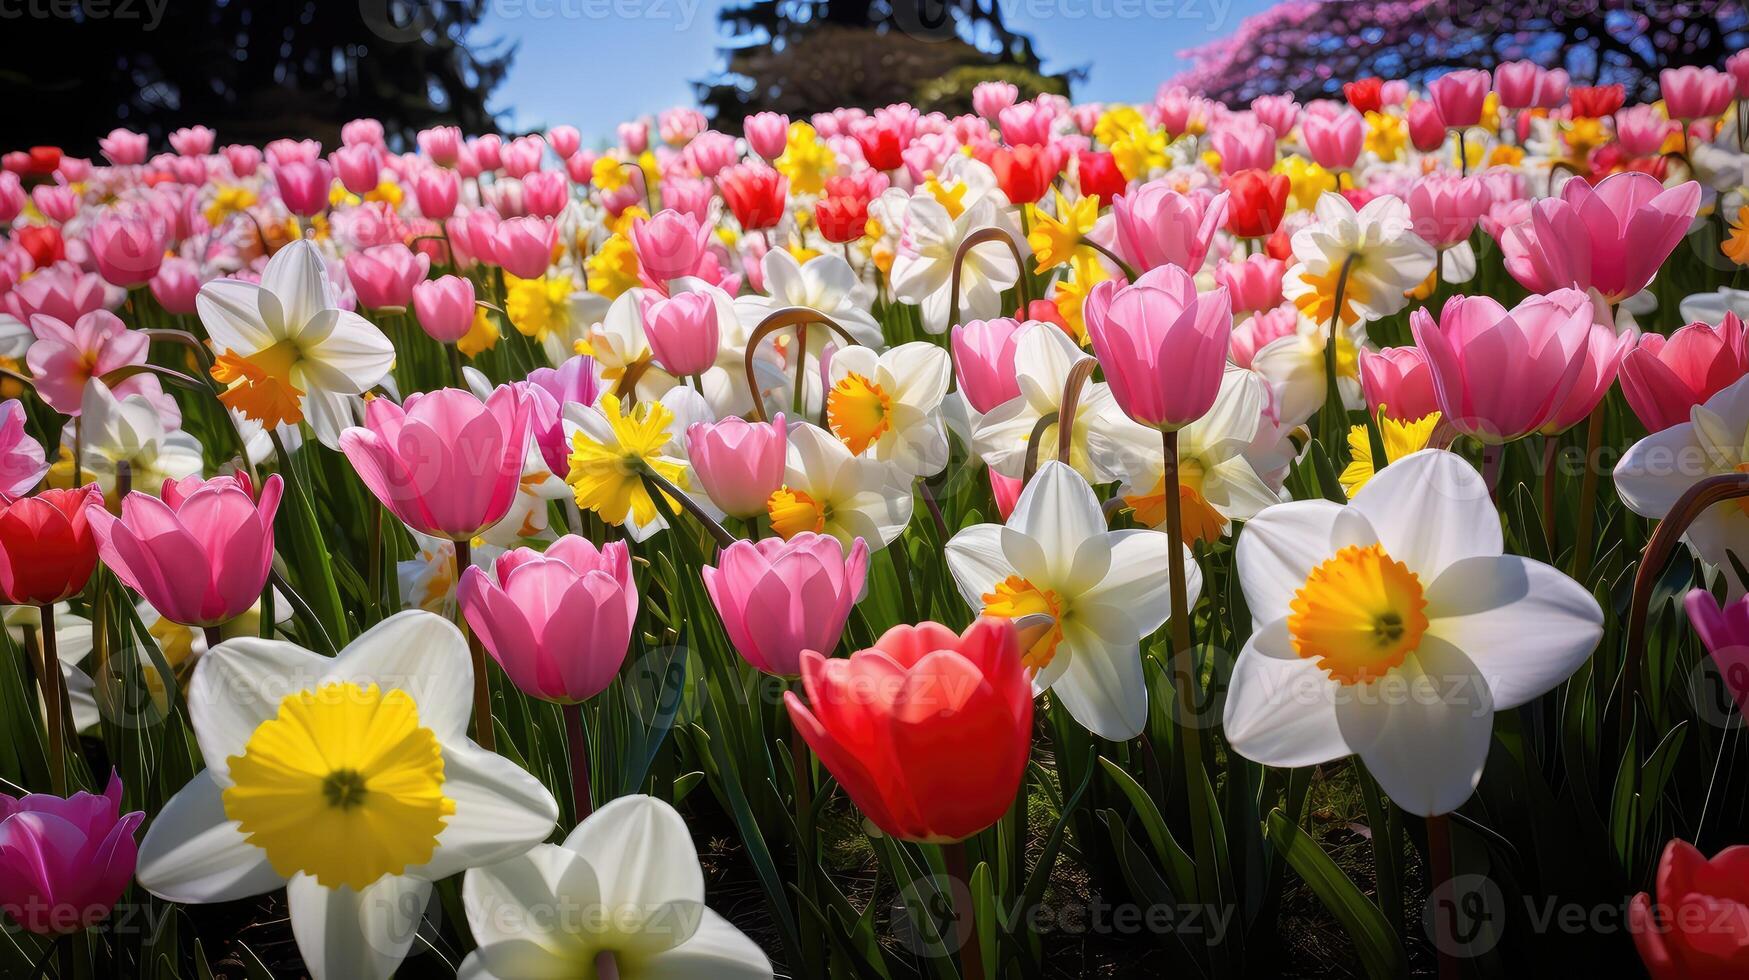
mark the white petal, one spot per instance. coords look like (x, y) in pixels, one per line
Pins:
(421, 653)
(1656, 471)
(1139, 581)
(348, 935)
(1423, 729)
(194, 853)
(920, 372)
(1059, 510)
(644, 858)
(1277, 550)
(500, 811)
(975, 558)
(1102, 687)
(1430, 509)
(352, 355)
(717, 951)
(518, 898)
(1281, 708)
(230, 309)
(1526, 626)
(297, 280)
(238, 685)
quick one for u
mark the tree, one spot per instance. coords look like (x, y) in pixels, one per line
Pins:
(803, 56)
(1310, 47)
(251, 71)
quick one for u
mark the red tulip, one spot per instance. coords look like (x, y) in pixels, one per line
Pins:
(43, 243)
(1595, 101)
(1099, 176)
(1024, 172)
(47, 551)
(842, 217)
(1256, 201)
(1699, 927)
(927, 731)
(755, 193)
(1365, 95)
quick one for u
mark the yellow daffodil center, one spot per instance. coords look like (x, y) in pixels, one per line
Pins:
(1319, 303)
(952, 198)
(1399, 438)
(1359, 614)
(538, 307)
(792, 511)
(482, 335)
(859, 411)
(1015, 597)
(1200, 520)
(261, 383)
(608, 478)
(343, 784)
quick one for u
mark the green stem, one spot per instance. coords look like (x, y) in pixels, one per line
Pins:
(959, 869)
(50, 682)
(483, 732)
(1587, 496)
(581, 799)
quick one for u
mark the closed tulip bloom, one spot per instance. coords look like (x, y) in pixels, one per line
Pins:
(445, 307)
(436, 190)
(1517, 82)
(1460, 96)
(124, 148)
(1502, 374)
(1444, 208)
(1611, 237)
(384, 275)
(1334, 142)
(303, 185)
(558, 622)
(669, 246)
(1664, 377)
(983, 361)
(738, 463)
(445, 463)
(1365, 94)
(682, 332)
(1256, 201)
(779, 599)
(1738, 67)
(1162, 344)
(1024, 172)
(1692, 92)
(1156, 226)
(47, 551)
(199, 553)
(1642, 130)
(755, 193)
(767, 133)
(545, 193)
(128, 248)
(1426, 128)
(64, 863)
(1398, 381)
(1696, 925)
(524, 246)
(1245, 147)
(1725, 632)
(927, 732)
(1254, 283)
(176, 285)
(358, 166)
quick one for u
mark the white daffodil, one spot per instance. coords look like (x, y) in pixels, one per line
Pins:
(825, 283)
(923, 269)
(829, 491)
(1105, 590)
(285, 339)
(625, 888)
(72, 645)
(128, 434)
(1044, 356)
(1378, 248)
(427, 580)
(888, 406)
(1712, 307)
(1656, 471)
(1393, 628)
(349, 781)
(1218, 482)
(1294, 366)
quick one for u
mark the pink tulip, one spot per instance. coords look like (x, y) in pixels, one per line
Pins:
(1517, 83)
(709, 152)
(1691, 92)
(362, 132)
(1163, 346)
(1600, 359)
(303, 186)
(1460, 96)
(444, 307)
(1026, 123)
(522, 156)
(283, 151)
(545, 193)
(192, 141)
(384, 275)
(677, 126)
(64, 863)
(767, 132)
(124, 148)
(1257, 331)
(1279, 112)
(635, 136)
(780, 598)
(12, 197)
(565, 141)
(200, 553)
(1245, 147)
(990, 98)
(22, 461)
(1254, 284)
(57, 203)
(1426, 129)
(558, 622)
(60, 291)
(1612, 237)
(1642, 130)
(524, 246)
(436, 189)
(244, 160)
(983, 361)
(1737, 66)
(443, 144)
(1725, 633)
(64, 358)
(574, 382)
(1663, 378)
(1156, 225)
(176, 285)
(358, 167)
(128, 248)
(1398, 382)
(1444, 208)
(487, 152)
(669, 246)
(739, 463)
(444, 463)
(1502, 374)
(682, 331)
(1334, 142)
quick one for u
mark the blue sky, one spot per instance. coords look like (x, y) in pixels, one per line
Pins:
(594, 63)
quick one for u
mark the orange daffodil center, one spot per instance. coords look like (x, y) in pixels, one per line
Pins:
(260, 384)
(859, 411)
(1359, 614)
(1014, 597)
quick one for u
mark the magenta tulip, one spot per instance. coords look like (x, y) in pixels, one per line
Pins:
(780, 598)
(1334, 141)
(558, 622)
(385, 275)
(1460, 96)
(445, 463)
(64, 863)
(1163, 346)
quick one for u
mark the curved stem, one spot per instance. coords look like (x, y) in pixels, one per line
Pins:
(483, 733)
(1128, 271)
(789, 316)
(981, 237)
(1044, 422)
(656, 484)
(1336, 425)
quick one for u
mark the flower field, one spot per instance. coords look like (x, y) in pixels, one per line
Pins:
(1059, 540)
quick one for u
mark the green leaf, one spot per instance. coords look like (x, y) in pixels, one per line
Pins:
(1381, 954)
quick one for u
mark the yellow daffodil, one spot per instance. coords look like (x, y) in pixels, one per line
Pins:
(1306, 181)
(806, 160)
(610, 453)
(1400, 439)
(613, 268)
(1056, 238)
(1385, 137)
(539, 307)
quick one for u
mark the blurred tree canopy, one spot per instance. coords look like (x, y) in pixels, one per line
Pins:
(804, 56)
(1309, 47)
(253, 71)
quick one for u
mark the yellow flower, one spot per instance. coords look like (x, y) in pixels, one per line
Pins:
(1736, 248)
(1055, 240)
(952, 198)
(1385, 136)
(622, 225)
(1118, 122)
(538, 307)
(260, 384)
(613, 268)
(607, 472)
(607, 173)
(1400, 439)
(1307, 181)
(229, 200)
(388, 192)
(1071, 293)
(806, 160)
(1140, 153)
(482, 336)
